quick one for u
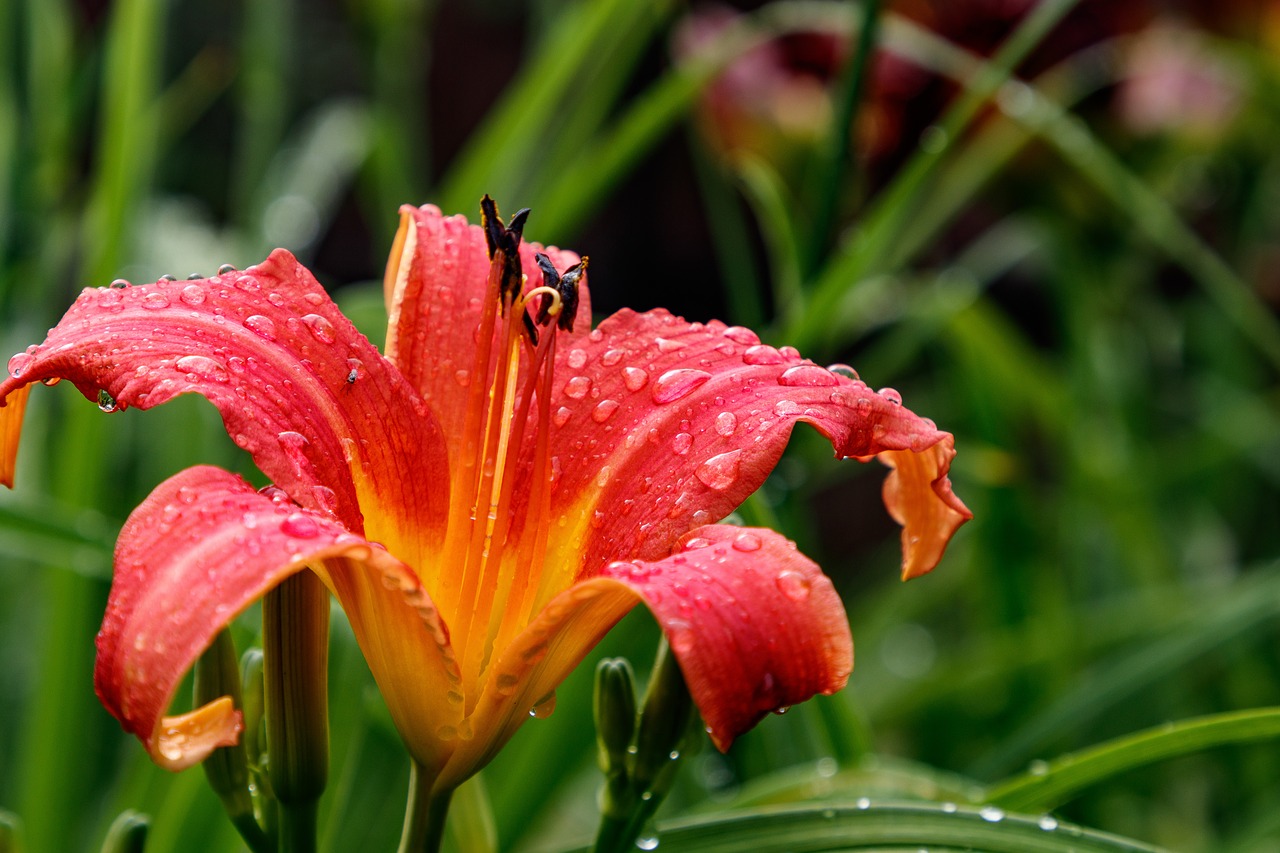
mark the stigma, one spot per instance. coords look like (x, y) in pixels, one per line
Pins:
(496, 541)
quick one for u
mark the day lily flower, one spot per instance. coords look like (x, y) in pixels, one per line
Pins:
(485, 500)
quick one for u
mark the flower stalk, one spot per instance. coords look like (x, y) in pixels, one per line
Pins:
(425, 815)
(295, 638)
(217, 674)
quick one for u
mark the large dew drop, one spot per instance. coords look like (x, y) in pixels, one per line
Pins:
(634, 378)
(675, 384)
(794, 585)
(807, 375)
(300, 526)
(720, 471)
(262, 325)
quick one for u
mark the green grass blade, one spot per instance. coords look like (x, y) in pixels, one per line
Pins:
(1051, 784)
(893, 212)
(886, 827)
(1251, 604)
(773, 209)
(496, 157)
(834, 157)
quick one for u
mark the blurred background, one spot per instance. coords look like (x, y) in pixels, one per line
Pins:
(1054, 227)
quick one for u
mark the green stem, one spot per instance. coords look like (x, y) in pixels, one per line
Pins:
(295, 646)
(297, 827)
(424, 817)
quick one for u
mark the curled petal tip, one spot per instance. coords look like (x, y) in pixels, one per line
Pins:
(187, 739)
(11, 411)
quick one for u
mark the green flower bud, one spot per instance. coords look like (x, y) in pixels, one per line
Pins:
(128, 833)
(615, 714)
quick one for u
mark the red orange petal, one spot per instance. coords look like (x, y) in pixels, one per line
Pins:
(196, 552)
(663, 425)
(322, 413)
(755, 625)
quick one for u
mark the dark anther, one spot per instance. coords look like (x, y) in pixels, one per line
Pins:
(167, 277)
(504, 246)
(551, 279)
(568, 289)
(566, 285)
(226, 268)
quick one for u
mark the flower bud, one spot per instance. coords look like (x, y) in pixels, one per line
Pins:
(615, 714)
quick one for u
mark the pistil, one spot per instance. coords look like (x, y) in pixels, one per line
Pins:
(497, 570)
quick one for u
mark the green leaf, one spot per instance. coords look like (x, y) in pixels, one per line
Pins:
(1048, 785)
(886, 827)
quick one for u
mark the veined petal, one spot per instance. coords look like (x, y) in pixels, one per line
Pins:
(10, 430)
(435, 285)
(196, 552)
(322, 413)
(755, 624)
(663, 425)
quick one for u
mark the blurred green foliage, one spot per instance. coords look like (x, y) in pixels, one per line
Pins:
(1074, 270)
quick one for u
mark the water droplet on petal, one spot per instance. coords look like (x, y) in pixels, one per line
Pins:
(262, 325)
(19, 363)
(720, 471)
(726, 423)
(106, 402)
(794, 585)
(462, 377)
(577, 358)
(634, 378)
(741, 335)
(611, 357)
(577, 387)
(681, 443)
(192, 294)
(807, 375)
(678, 383)
(604, 410)
(746, 541)
(300, 526)
(844, 370)
(762, 354)
(202, 367)
(320, 327)
(891, 395)
(155, 300)
(119, 283)
(544, 706)
(226, 268)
